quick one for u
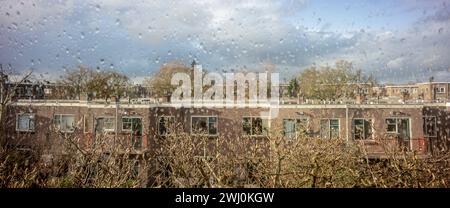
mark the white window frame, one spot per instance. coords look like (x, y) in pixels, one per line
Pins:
(371, 131)
(31, 116)
(48, 91)
(296, 125)
(329, 126)
(396, 125)
(60, 117)
(159, 123)
(410, 128)
(440, 90)
(130, 117)
(207, 123)
(106, 130)
(251, 122)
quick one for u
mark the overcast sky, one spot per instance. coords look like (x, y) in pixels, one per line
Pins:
(396, 40)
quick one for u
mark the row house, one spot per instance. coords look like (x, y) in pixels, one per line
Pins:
(438, 91)
(418, 127)
(426, 91)
(402, 91)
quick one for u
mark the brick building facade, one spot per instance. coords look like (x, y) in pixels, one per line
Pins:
(420, 127)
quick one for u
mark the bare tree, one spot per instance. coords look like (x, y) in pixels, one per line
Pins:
(77, 81)
(159, 83)
(331, 83)
(195, 160)
(94, 83)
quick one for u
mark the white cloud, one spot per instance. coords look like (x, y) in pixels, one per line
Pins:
(395, 63)
(34, 12)
(230, 34)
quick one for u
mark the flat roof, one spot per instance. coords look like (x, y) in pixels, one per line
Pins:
(222, 105)
(433, 83)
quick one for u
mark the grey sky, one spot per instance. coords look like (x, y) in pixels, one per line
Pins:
(397, 41)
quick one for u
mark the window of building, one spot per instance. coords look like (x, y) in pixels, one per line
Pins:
(133, 125)
(47, 91)
(29, 91)
(365, 91)
(399, 126)
(294, 127)
(64, 123)
(105, 124)
(166, 125)
(440, 90)
(329, 128)
(129, 123)
(205, 125)
(429, 126)
(362, 129)
(391, 125)
(25, 122)
(255, 126)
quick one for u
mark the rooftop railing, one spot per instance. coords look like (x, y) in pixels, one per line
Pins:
(147, 101)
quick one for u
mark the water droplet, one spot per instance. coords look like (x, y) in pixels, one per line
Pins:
(82, 35)
(97, 8)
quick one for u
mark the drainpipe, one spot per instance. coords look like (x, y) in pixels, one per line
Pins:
(117, 119)
(346, 122)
